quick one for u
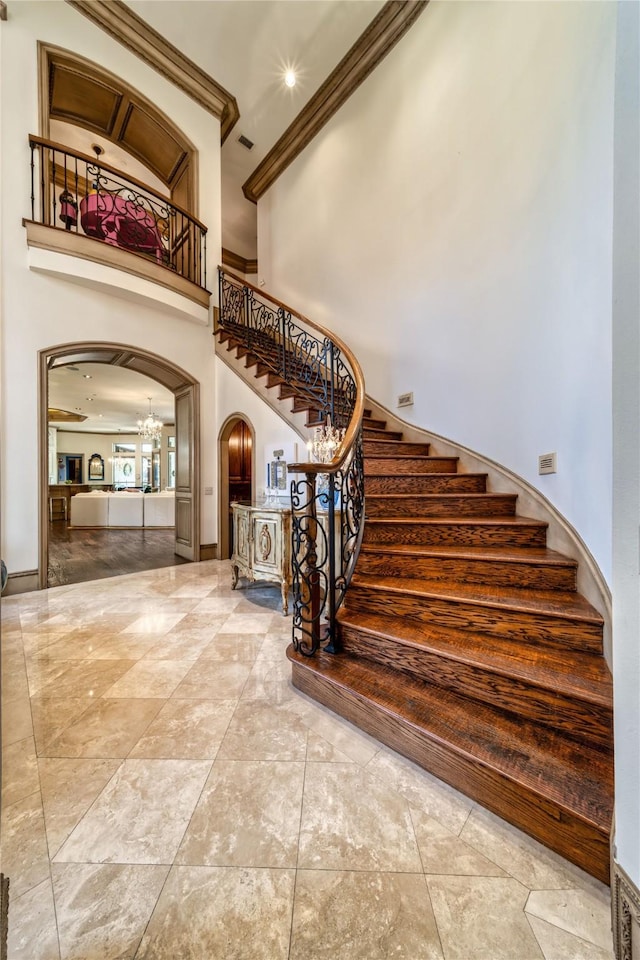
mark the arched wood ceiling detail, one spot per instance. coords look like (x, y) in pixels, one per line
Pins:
(80, 92)
(141, 361)
(133, 32)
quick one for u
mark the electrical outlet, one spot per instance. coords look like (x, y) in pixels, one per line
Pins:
(208, 491)
(547, 463)
(405, 400)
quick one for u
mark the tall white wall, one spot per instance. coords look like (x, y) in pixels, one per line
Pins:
(626, 502)
(453, 223)
(38, 311)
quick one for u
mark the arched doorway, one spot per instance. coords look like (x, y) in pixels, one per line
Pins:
(236, 473)
(187, 433)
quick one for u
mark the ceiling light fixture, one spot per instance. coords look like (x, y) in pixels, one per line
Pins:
(150, 428)
(290, 78)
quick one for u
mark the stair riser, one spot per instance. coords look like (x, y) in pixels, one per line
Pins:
(582, 720)
(426, 483)
(393, 465)
(537, 577)
(373, 434)
(478, 505)
(562, 831)
(455, 534)
(510, 624)
(395, 448)
(369, 424)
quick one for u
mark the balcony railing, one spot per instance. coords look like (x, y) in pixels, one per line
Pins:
(75, 192)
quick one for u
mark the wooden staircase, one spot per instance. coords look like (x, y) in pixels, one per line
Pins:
(467, 649)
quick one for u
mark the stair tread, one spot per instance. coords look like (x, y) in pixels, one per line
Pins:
(516, 521)
(571, 672)
(372, 474)
(550, 765)
(560, 603)
(509, 554)
(471, 495)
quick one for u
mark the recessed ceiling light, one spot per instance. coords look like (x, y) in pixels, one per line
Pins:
(290, 78)
(87, 376)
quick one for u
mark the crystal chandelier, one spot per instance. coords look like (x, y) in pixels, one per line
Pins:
(325, 443)
(150, 429)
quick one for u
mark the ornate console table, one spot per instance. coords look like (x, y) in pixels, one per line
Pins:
(262, 546)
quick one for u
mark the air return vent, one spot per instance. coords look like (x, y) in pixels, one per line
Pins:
(245, 141)
(547, 463)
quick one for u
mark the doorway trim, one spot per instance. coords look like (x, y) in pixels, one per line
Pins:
(152, 365)
(224, 549)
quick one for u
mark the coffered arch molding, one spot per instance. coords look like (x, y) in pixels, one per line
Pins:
(186, 390)
(78, 91)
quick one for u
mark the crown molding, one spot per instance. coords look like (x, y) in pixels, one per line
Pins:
(370, 48)
(120, 22)
(237, 262)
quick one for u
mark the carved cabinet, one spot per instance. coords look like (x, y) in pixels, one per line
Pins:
(262, 546)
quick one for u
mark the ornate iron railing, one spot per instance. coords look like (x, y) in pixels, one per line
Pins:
(79, 193)
(327, 503)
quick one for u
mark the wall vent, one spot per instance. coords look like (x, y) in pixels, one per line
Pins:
(547, 463)
(405, 400)
(245, 141)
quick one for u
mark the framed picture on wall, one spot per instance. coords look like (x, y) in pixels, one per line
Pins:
(96, 467)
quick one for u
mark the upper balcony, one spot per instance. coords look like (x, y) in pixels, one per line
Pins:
(85, 208)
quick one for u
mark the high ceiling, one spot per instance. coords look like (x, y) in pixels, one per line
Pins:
(247, 46)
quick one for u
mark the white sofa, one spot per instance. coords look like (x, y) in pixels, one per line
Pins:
(160, 509)
(99, 509)
(125, 509)
(90, 509)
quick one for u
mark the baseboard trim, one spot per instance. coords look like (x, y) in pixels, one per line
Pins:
(208, 551)
(22, 582)
(626, 915)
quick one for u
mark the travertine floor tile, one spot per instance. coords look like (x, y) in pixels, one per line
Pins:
(183, 645)
(363, 916)
(213, 680)
(33, 934)
(263, 731)
(186, 729)
(269, 796)
(69, 787)
(225, 912)
(270, 680)
(83, 678)
(16, 720)
(442, 852)
(140, 816)
(150, 678)
(482, 918)
(232, 646)
(25, 858)
(19, 771)
(557, 944)
(522, 857)
(103, 909)
(341, 832)
(247, 623)
(583, 913)
(107, 729)
(52, 716)
(423, 791)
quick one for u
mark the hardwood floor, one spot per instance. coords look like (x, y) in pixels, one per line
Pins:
(76, 556)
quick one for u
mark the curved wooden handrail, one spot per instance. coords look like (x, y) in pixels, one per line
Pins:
(356, 417)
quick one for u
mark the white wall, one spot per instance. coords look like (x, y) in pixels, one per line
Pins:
(86, 444)
(626, 503)
(234, 397)
(40, 311)
(453, 223)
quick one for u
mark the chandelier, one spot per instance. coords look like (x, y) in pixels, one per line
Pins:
(325, 443)
(150, 429)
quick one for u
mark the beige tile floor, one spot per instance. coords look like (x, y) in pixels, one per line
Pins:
(168, 795)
